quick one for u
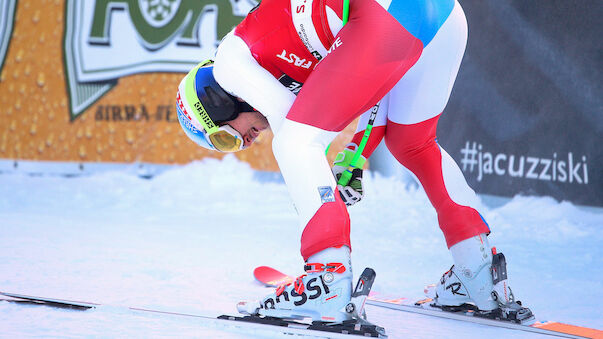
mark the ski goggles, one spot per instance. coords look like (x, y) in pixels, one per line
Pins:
(222, 138)
(225, 139)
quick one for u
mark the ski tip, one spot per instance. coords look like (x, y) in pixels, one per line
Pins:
(271, 277)
(263, 269)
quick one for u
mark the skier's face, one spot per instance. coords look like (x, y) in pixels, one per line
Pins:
(249, 125)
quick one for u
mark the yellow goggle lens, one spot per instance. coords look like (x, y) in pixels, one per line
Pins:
(225, 142)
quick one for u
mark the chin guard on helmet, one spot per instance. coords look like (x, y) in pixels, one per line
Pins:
(203, 107)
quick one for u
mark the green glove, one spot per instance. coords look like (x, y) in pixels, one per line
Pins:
(351, 192)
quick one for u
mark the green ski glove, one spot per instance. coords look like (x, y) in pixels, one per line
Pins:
(351, 192)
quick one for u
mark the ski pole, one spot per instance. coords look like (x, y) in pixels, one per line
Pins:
(346, 15)
(346, 11)
(345, 177)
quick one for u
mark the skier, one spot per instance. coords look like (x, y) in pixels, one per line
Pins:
(403, 55)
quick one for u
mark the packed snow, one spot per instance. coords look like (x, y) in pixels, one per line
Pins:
(187, 240)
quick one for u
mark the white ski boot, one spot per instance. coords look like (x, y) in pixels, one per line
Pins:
(478, 282)
(321, 294)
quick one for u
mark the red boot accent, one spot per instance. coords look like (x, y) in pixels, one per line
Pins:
(330, 267)
(298, 285)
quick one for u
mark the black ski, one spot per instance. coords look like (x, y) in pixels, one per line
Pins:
(57, 303)
(289, 327)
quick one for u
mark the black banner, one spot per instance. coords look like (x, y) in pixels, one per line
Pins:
(526, 112)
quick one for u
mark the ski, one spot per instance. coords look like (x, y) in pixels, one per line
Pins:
(542, 327)
(344, 330)
(270, 277)
(245, 323)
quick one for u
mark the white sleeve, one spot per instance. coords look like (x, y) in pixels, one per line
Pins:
(241, 75)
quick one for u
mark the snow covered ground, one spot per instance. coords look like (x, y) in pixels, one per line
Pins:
(188, 239)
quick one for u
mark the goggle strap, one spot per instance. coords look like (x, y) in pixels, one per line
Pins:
(197, 107)
(245, 107)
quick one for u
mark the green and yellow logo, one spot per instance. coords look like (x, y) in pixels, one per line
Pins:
(108, 39)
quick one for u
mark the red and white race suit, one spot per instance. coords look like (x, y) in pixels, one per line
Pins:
(404, 54)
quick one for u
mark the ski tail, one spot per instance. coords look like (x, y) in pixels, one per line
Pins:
(569, 329)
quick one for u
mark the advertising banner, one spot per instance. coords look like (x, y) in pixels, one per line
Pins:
(95, 81)
(526, 113)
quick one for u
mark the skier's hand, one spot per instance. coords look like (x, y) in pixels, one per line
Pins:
(351, 192)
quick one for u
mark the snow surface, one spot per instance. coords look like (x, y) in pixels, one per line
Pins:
(188, 239)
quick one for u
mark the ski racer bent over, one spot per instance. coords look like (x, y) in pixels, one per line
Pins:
(403, 55)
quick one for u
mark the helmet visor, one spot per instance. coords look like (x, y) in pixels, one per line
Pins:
(227, 139)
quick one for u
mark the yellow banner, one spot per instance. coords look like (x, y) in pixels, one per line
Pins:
(95, 81)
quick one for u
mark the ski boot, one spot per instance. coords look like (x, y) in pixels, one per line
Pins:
(321, 294)
(477, 283)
